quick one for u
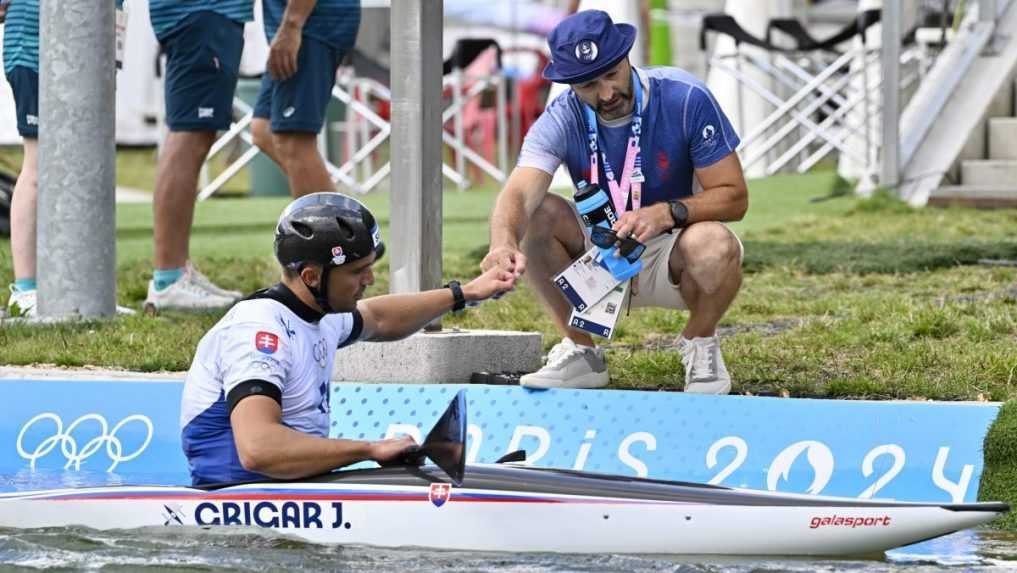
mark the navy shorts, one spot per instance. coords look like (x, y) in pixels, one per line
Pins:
(25, 85)
(299, 103)
(202, 64)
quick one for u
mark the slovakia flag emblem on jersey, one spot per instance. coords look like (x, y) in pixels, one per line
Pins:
(266, 342)
(439, 494)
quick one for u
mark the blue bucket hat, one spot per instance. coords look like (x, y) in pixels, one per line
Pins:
(586, 45)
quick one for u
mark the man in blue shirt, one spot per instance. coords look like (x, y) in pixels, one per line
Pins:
(307, 41)
(202, 40)
(659, 148)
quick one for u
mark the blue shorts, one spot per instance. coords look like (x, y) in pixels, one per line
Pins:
(202, 64)
(299, 103)
(25, 85)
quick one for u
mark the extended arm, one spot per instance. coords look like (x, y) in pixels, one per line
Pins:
(395, 316)
(518, 200)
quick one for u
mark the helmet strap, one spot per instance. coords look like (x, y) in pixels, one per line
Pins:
(320, 292)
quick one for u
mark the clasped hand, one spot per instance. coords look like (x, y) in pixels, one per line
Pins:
(494, 282)
(645, 223)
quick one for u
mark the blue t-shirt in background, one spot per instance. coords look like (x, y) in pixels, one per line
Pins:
(21, 35)
(332, 22)
(167, 14)
(683, 129)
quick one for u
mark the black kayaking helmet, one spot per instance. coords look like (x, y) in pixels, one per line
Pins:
(327, 229)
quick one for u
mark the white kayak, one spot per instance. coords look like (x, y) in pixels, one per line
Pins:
(509, 507)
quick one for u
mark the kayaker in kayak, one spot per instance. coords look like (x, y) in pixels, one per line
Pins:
(256, 398)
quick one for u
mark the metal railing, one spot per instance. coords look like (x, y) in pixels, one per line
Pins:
(837, 104)
(818, 104)
(365, 133)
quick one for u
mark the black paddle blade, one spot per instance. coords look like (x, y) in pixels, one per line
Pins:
(445, 444)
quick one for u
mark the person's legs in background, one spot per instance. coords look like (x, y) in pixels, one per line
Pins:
(24, 84)
(302, 162)
(203, 59)
(261, 124)
(261, 133)
(23, 225)
(175, 282)
(294, 110)
(24, 204)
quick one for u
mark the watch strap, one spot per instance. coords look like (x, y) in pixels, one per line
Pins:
(679, 212)
(457, 295)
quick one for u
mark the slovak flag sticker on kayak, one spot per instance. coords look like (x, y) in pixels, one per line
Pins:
(439, 494)
(266, 342)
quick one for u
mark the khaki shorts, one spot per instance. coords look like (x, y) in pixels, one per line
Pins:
(653, 286)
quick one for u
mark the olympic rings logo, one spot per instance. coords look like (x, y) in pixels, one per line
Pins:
(69, 446)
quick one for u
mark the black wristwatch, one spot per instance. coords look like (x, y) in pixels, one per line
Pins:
(679, 212)
(457, 295)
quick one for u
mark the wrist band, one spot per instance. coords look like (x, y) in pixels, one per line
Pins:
(457, 295)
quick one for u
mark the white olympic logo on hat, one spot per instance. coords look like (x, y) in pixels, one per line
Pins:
(69, 446)
(586, 51)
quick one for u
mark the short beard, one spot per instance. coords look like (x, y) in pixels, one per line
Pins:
(626, 99)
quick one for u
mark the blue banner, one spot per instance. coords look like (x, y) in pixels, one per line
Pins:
(118, 430)
(128, 432)
(916, 451)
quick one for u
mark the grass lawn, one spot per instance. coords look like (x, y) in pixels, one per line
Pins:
(843, 298)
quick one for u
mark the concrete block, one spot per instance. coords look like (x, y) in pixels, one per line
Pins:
(1003, 138)
(989, 196)
(1002, 102)
(989, 172)
(974, 148)
(448, 356)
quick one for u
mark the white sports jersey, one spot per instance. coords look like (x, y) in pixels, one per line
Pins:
(271, 337)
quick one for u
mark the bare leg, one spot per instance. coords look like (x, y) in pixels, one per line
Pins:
(706, 265)
(553, 240)
(261, 132)
(302, 162)
(176, 188)
(23, 213)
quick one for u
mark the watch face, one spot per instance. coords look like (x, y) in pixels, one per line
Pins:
(679, 212)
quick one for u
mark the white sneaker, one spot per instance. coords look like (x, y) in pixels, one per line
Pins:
(705, 371)
(185, 294)
(210, 286)
(22, 303)
(570, 366)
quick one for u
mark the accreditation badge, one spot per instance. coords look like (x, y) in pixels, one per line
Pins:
(600, 319)
(586, 281)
